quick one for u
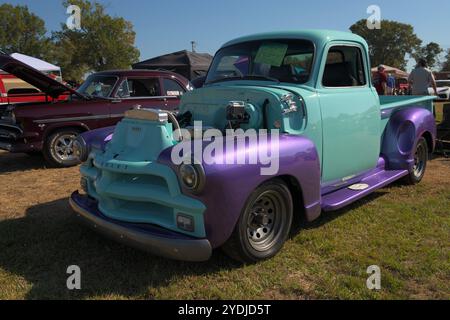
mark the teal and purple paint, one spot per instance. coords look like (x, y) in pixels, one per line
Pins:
(342, 136)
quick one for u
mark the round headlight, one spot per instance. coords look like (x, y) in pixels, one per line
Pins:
(80, 149)
(192, 176)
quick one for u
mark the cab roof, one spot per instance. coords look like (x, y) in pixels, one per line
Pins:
(317, 36)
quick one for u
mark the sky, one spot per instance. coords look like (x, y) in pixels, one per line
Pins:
(164, 26)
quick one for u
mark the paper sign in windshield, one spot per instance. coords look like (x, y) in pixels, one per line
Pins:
(271, 53)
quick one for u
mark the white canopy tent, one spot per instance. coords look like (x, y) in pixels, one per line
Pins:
(395, 71)
(38, 64)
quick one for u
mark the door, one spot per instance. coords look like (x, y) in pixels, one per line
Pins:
(172, 91)
(144, 92)
(350, 114)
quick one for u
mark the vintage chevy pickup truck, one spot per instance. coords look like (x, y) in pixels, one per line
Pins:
(338, 141)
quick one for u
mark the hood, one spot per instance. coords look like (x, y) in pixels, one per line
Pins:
(34, 77)
(265, 105)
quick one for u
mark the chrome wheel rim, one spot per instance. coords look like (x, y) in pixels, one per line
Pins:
(419, 160)
(63, 147)
(265, 220)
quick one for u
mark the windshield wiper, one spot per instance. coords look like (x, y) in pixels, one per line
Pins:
(224, 79)
(259, 77)
(247, 77)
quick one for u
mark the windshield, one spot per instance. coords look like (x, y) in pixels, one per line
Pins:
(98, 86)
(272, 60)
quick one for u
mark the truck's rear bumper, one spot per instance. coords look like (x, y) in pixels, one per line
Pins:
(146, 237)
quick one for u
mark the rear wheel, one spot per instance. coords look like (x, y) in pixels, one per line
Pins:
(416, 174)
(264, 224)
(58, 148)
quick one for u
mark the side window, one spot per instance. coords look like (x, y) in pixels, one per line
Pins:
(123, 91)
(172, 88)
(143, 87)
(344, 68)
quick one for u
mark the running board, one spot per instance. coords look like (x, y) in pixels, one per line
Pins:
(342, 197)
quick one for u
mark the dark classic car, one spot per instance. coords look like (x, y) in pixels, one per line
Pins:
(99, 102)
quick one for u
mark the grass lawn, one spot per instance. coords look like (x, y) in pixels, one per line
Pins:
(405, 230)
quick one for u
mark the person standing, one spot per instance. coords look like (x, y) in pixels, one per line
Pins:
(420, 79)
(390, 84)
(380, 80)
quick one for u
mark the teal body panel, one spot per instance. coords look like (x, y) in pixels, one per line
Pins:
(350, 123)
(131, 186)
(390, 104)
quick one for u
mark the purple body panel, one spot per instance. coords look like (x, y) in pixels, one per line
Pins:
(403, 130)
(345, 196)
(229, 186)
(98, 138)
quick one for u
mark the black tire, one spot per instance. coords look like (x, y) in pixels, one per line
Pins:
(416, 174)
(53, 155)
(264, 224)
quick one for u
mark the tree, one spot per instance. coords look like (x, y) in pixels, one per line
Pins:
(103, 43)
(446, 63)
(22, 31)
(430, 53)
(390, 44)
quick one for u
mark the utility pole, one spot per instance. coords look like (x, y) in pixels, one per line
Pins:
(193, 45)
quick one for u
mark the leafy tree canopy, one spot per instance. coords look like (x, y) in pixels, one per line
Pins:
(102, 43)
(22, 31)
(430, 53)
(390, 44)
(446, 64)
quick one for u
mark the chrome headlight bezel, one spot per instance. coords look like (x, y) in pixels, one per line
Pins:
(80, 149)
(192, 177)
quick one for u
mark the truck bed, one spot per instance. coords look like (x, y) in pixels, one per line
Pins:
(394, 102)
(389, 104)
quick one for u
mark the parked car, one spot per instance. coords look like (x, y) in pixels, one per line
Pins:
(99, 102)
(15, 91)
(338, 142)
(402, 87)
(443, 87)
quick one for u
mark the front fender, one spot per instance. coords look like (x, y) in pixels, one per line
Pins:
(228, 186)
(98, 138)
(403, 130)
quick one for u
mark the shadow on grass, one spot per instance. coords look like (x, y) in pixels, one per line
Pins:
(40, 246)
(12, 162)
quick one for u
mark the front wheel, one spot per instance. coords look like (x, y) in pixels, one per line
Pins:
(263, 225)
(58, 148)
(416, 174)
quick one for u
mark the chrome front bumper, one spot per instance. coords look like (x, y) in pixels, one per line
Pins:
(149, 238)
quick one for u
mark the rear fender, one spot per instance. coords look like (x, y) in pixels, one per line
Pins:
(403, 130)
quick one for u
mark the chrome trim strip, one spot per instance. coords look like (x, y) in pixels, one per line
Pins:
(72, 119)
